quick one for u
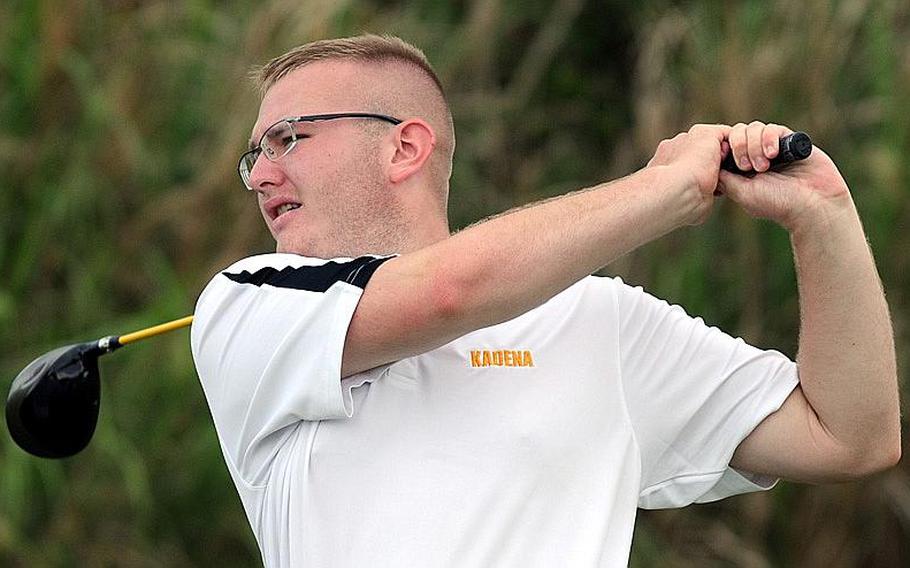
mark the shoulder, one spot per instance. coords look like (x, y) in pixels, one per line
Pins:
(302, 272)
(273, 284)
(628, 297)
(272, 295)
(258, 261)
(601, 289)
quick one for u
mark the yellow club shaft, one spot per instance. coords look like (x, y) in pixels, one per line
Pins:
(155, 330)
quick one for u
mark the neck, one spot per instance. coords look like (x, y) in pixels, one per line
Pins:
(424, 234)
(425, 216)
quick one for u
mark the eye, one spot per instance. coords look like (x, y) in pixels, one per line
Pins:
(279, 139)
(284, 145)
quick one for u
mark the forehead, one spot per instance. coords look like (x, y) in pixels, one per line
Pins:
(316, 88)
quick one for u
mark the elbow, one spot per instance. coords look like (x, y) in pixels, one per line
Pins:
(453, 294)
(447, 299)
(876, 457)
(891, 454)
(895, 456)
(883, 460)
(884, 451)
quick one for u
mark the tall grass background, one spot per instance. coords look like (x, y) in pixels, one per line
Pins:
(120, 126)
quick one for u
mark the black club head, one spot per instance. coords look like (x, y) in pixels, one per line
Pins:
(53, 403)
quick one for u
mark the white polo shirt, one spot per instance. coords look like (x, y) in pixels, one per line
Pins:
(528, 443)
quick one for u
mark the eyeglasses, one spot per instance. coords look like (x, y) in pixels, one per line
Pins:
(280, 138)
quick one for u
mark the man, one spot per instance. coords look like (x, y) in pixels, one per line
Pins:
(388, 394)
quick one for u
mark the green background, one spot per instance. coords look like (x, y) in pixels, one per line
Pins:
(120, 126)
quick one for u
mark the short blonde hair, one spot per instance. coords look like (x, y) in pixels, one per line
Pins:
(365, 48)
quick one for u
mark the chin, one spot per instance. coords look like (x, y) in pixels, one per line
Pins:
(324, 249)
(303, 249)
(293, 250)
(287, 248)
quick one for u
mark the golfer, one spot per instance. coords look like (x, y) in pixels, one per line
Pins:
(388, 394)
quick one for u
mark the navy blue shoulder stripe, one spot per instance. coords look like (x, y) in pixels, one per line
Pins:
(312, 278)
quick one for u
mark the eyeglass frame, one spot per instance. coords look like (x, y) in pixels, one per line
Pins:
(304, 118)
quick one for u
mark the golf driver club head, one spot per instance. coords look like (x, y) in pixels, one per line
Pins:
(53, 403)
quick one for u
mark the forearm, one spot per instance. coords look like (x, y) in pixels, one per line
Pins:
(503, 267)
(846, 357)
(512, 263)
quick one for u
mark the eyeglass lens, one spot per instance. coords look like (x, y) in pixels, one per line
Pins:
(277, 141)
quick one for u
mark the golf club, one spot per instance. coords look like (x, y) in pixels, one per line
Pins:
(53, 403)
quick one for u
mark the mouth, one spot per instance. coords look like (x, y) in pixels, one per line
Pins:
(278, 206)
(285, 208)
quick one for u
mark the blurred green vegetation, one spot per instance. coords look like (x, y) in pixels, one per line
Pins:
(120, 125)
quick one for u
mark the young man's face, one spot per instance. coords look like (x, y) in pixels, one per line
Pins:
(335, 172)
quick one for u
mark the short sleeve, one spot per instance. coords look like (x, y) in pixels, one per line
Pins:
(267, 339)
(693, 394)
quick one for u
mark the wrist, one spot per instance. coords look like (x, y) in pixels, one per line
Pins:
(682, 202)
(820, 216)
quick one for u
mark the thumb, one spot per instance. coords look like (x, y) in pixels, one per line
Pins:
(764, 196)
(733, 185)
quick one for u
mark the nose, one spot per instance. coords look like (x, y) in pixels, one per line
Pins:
(265, 174)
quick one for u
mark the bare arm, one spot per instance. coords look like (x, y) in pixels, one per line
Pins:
(499, 269)
(844, 420)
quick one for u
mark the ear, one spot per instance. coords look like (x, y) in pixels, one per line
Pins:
(414, 142)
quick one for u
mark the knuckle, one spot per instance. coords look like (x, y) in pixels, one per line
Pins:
(771, 134)
(702, 127)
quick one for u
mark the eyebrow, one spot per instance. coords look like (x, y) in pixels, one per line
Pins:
(251, 144)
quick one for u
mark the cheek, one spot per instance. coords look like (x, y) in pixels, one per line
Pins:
(319, 168)
(345, 177)
(331, 180)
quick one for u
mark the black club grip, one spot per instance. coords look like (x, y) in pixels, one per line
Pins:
(793, 147)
